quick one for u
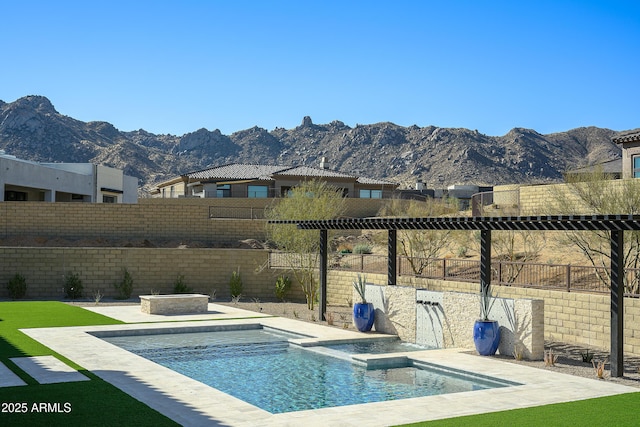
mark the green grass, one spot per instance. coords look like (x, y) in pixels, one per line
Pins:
(91, 403)
(619, 410)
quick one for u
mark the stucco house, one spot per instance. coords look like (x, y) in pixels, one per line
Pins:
(264, 181)
(630, 142)
(25, 181)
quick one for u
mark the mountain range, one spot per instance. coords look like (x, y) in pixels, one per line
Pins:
(32, 129)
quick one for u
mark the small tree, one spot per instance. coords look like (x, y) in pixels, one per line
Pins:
(310, 200)
(235, 283)
(420, 247)
(596, 193)
(179, 287)
(73, 286)
(17, 286)
(125, 287)
(283, 284)
(517, 247)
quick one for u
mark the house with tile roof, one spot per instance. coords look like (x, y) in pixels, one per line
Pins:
(265, 181)
(630, 142)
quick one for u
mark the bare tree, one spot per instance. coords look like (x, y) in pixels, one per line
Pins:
(421, 247)
(310, 200)
(516, 247)
(596, 193)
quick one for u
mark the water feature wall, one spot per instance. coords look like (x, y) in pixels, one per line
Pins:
(445, 319)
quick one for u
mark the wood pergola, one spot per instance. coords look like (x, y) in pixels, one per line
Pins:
(615, 224)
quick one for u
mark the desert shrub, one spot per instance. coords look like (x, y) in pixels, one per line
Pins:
(17, 286)
(73, 286)
(362, 248)
(235, 284)
(125, 287)
(179, 287)
(283, 283)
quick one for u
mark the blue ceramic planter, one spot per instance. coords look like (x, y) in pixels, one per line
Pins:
(486, 337)
(363, 316)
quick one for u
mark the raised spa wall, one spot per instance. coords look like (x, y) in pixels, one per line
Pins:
(445, 319)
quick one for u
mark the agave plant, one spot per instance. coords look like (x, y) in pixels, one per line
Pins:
(486, 301)
(360, 285)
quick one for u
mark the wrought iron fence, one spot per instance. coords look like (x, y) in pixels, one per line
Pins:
(570, 278)
(496, 203)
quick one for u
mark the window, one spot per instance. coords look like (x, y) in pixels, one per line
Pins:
(257, 191)
(636, 167)
(109, 199)
(223, 190)
(15, 196)
(371, 194)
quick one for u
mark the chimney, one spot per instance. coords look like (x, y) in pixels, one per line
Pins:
(323, 163)
(419, 185)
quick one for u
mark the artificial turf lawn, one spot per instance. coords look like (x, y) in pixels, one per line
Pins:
(620, 410)
(84, 403)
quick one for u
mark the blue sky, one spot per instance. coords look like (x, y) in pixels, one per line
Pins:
(178, 66)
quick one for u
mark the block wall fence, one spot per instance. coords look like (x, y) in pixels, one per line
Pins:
(154, 270)
(540, 199)
(153, 219)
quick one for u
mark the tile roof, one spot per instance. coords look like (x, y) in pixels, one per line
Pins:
(311, 171)
(610, 166)
(632, 136)
(373, 181)
(240, 171)
(236, 171)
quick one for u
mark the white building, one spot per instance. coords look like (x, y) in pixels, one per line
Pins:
(22, 180)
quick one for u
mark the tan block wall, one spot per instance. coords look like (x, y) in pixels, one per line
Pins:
(119, 221)
(152, 219)
(355, 208)
(152, 270)
(540, 199)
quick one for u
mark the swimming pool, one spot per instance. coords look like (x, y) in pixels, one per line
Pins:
(262, 367)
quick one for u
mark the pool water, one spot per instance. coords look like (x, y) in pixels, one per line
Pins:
(263, 369)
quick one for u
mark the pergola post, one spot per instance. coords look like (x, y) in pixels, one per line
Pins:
(617, 303)
(485, 258)
(324, 243)
(392, 256)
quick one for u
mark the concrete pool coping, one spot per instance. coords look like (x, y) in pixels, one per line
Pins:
(190, 402)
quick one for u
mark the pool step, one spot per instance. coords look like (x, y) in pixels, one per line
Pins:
(214, 351)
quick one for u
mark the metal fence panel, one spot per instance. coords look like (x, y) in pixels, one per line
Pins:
(536, 275)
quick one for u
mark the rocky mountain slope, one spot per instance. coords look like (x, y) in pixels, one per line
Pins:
(32, 129)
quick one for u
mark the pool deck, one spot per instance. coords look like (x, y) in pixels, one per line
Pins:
(191, 403)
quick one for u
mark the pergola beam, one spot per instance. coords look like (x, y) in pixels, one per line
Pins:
(532, 223)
